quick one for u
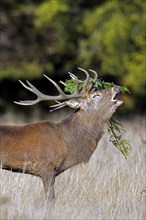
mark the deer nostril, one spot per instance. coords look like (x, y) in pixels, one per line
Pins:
(117, 89)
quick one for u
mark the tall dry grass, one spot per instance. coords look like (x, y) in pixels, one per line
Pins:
(108, 187)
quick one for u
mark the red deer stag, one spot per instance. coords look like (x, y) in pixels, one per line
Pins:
(47, 149)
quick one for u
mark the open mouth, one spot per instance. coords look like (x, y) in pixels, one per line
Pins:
(115, 98)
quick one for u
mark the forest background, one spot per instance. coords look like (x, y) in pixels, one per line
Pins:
(53, 37)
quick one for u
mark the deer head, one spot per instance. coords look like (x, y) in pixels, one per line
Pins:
(89, 100)
(104, 102)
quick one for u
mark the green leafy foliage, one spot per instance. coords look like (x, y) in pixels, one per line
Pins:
(48, 10)
(115, 128)
(115, 37)
(101, 84)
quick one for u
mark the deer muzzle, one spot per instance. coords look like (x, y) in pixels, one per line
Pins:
(116, 92)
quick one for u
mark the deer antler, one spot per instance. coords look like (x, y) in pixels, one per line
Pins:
(94, 81)
(62, 95)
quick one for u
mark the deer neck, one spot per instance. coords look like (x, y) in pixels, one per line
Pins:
(83, 122)
(81, 133)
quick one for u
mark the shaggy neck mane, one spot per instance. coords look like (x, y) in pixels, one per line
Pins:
(81, 135)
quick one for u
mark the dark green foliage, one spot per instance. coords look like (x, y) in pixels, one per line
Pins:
(116, 130)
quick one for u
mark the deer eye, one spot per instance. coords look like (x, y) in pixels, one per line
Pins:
(96, 95)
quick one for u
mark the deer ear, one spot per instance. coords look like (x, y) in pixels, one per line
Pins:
(73, 104)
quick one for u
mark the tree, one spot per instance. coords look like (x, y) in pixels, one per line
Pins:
(115, 41)
(56, 36)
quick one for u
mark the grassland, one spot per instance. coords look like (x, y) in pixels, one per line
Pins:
(108, 187)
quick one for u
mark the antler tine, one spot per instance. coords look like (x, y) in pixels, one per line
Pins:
(27, 102)
(96, 75)
(56, 85)
(86, 80)
(25, 86)
(57, 106)
(94, 81)
(32, 89)
(61, 106)
(36, 91)
(77, 82)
